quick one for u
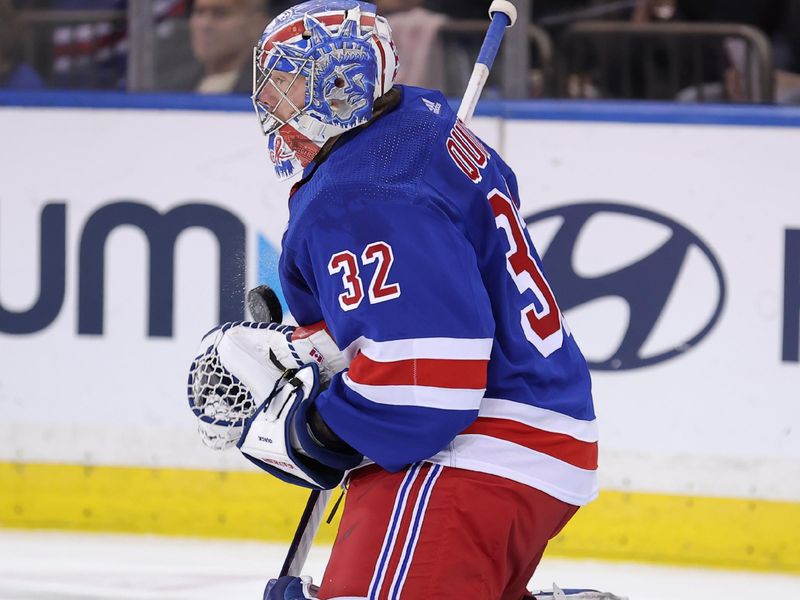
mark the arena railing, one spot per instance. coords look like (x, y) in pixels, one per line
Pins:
(666, 61)
(137, 25)
(604, 57)
(468, 33)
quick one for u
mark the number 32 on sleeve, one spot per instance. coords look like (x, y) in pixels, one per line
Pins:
(346, 263)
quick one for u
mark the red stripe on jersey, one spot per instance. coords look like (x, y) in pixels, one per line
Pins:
(298, 27)
(432, 372)
(302, 333)
(558, 445)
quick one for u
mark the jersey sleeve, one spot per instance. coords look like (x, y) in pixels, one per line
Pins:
(399, 286)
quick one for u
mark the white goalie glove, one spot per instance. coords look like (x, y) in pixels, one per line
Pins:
(240, 365)
(287, 438)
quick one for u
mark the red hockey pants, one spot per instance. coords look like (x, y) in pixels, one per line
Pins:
(432, 532)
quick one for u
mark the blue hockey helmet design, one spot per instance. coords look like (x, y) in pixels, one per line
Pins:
(317, 70)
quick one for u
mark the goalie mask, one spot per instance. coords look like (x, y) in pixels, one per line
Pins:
(317, 70)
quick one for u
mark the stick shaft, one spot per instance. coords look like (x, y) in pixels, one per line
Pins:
(480, 73)
(265, 307)
(305, 533)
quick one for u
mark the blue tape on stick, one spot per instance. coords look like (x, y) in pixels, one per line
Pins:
(491, 44)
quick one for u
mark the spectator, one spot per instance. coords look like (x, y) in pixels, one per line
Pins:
(786, 47)
(778, 19)
(458, 9)
(787, 40)
(222, 34)
(654, 10)
(416, 34)
(706, 70)
(93, 54)
(14, 72)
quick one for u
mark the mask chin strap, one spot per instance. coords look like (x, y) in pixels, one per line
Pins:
(315, 130)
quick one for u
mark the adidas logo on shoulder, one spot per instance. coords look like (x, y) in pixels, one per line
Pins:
(434, 107)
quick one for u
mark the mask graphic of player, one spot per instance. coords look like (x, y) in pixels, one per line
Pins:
(317, 70)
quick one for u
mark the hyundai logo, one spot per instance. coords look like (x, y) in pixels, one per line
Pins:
(648, 288)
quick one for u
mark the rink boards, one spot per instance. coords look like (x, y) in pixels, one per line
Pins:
(131, 225)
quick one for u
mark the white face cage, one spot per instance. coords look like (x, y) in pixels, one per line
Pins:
(277, 61)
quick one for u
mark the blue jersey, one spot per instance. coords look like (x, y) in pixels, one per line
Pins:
(406, 240)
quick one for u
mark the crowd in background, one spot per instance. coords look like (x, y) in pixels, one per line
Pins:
(205, 46)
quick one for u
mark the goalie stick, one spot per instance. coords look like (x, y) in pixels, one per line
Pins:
(265, 306)
(503, 15)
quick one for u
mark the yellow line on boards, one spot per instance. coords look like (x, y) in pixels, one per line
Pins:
(660, 528)
(731, 533)
(219, 504)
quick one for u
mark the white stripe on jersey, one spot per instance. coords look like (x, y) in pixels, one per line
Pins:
(434, 347)
(541, 418)
(417, 395)
(486, 454)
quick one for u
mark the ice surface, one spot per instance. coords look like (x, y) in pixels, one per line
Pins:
(65, 566)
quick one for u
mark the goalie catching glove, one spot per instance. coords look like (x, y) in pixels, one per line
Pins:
(240, 365)
(288, 438)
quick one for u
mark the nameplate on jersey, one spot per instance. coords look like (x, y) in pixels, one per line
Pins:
(467, 152)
